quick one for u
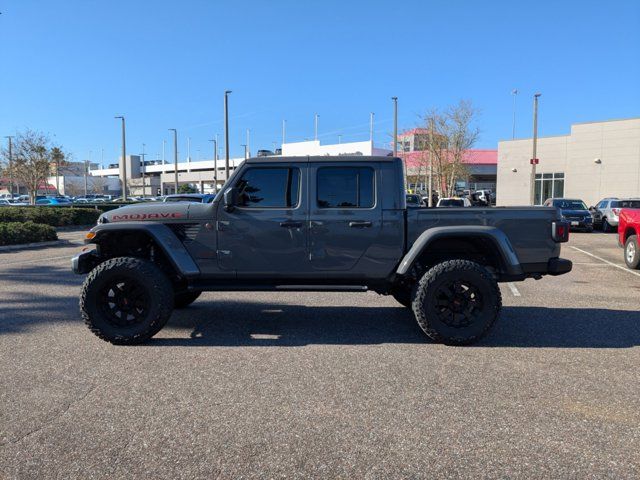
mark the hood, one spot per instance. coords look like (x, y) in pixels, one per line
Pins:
(146, 212)
(575, 213)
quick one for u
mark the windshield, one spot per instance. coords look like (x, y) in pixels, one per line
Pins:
(451, 202)
(570, 204)
(413, 199)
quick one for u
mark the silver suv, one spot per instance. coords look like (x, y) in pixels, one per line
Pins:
(605, 213)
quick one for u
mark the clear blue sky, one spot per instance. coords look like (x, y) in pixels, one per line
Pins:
(67, 67)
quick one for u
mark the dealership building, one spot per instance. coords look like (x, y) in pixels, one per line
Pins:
(594, 161)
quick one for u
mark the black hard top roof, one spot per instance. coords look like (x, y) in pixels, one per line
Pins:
(320, 158)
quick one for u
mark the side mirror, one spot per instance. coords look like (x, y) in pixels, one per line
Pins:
(230, 199)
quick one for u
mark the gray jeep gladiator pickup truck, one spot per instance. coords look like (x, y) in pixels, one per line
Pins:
(320, 224)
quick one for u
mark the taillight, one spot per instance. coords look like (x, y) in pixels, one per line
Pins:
(616, 211)
(560, 231)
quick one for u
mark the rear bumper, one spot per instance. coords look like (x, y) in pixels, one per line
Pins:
(559, 266)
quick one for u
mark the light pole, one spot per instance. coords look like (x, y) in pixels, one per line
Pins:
(248, 144)
(339, 139)
(371, 129)
(124, 161)
(534, 159)
(86, 172)
(164, 142)
(245, 150)
(226, 134)
(215, 162)
(144, 182)
(284, 130)
(395, 126)
(175, 158)
(10, 138)
(514, 93)
(315, 127)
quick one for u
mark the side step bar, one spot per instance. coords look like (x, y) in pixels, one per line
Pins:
(213, 287)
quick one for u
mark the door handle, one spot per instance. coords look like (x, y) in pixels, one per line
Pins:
(360, 224)
(291, 224)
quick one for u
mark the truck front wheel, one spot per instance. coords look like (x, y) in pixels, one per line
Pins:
(126, 300)
(457, 302)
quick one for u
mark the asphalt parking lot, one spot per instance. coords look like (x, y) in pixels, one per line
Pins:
(323, 385)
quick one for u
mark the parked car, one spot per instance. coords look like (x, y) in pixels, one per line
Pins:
(414, 201)
(7, 202)
(573, 211)
(190, 197)
(314, 224)
(605, 213)
(454, 202)
(628, 234)
(53, 202)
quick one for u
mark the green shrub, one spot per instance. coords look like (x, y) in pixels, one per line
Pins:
(14, 233)
(54, 216)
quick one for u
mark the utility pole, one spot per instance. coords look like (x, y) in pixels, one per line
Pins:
(215, 162)
(142, 170)
(175, 158)
(534, 159)
(226, 135)
(10, 137)
(395, 126)
(124, 161)
(431, 153)
(315, 127)
(284, 130)
(514, 93)
(371, 129)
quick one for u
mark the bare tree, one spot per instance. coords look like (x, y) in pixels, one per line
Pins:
(73, 189)
(451, 134)
(32, 156)
(98, 184)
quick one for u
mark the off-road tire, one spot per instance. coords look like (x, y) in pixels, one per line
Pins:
(149, 282)
(403, 296)
(632, 253)
(184, 299)
(430, 307)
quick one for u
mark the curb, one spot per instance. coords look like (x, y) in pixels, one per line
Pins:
(24, 246)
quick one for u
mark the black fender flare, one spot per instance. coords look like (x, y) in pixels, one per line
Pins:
(498, 238)
(161, 235)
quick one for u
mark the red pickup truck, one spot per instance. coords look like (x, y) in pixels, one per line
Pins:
(628, 233)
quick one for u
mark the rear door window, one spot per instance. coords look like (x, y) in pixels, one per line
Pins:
(346, 187)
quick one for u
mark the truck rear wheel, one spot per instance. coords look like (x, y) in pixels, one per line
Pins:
(126, 300)
(457, 302)
(631, 253)
(184, 299)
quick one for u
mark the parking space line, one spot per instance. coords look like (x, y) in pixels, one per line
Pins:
(606, 261)
(514, 289)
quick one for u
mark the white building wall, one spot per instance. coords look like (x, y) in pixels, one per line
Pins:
(313, 147)
(599, 159)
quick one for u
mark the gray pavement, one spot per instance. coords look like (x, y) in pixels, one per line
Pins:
(269, 385)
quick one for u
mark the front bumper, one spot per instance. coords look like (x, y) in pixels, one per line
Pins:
(84, 262)
(586, 224)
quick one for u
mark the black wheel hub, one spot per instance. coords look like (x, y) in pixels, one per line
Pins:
(458, 303)
(124, 302)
